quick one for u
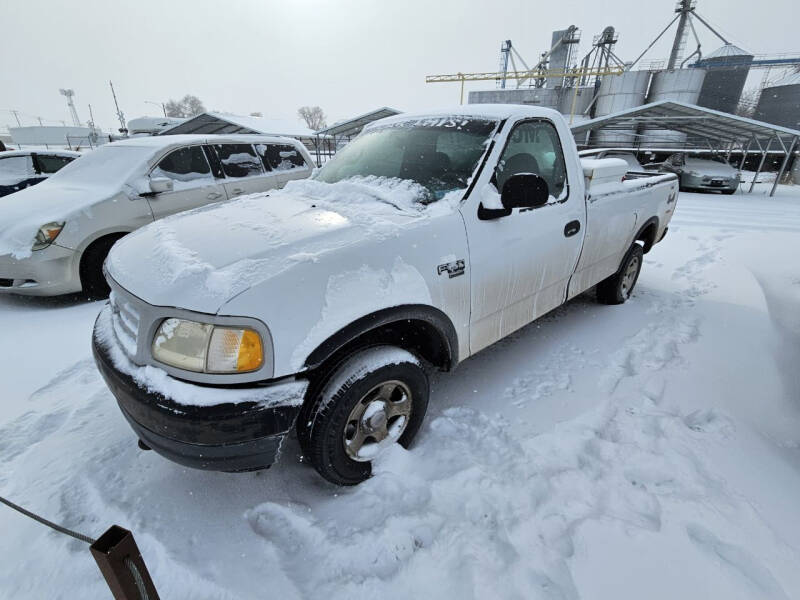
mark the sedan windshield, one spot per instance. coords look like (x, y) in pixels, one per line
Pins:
(438, 153)
(110, 164)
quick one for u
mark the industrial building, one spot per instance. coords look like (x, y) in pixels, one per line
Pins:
(56, 136)
(601, 83)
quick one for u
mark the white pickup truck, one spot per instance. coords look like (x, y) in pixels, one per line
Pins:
(321, 309)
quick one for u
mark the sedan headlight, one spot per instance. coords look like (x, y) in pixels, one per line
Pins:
(46, 235)
(206, 348)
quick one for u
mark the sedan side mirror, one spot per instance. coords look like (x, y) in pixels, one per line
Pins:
(159, 185)
(524, 190)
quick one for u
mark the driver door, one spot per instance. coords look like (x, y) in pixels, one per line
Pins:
(193, 184)
(521, 263)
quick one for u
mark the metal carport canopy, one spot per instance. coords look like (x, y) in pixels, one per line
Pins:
(702, 126)
(354, 126)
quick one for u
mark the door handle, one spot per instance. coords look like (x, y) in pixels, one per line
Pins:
(237, 190)
(214, 195)
(572, 228)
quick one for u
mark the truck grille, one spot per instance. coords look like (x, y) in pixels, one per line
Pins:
(125, 322)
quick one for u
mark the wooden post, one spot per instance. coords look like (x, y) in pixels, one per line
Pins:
(121, 563)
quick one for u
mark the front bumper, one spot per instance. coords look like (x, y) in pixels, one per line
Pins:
(48, 272)
(230, 437)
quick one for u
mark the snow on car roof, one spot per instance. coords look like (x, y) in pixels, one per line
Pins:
(162, 141)
(492, 111)
(39, 151)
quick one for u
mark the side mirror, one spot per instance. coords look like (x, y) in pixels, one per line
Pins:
(159, 185)
(524, 190)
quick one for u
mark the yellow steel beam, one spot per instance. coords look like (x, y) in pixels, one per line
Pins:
(489, 76)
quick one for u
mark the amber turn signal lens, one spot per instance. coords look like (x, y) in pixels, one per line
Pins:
(251, 353)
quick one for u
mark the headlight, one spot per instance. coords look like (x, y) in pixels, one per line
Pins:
(46, 235)
(206, 348)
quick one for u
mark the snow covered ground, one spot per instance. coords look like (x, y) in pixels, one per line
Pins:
(650, 450)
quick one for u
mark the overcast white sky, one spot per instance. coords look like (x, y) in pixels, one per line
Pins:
(348, 56)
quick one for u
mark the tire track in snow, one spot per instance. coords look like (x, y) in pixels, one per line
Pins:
(657, 345)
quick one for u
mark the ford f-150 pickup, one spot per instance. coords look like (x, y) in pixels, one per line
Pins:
(321, 309)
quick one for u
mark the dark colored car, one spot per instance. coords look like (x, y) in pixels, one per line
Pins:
(702, 172)
(24, 168)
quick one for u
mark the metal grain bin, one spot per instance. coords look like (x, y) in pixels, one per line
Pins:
(582, 100)
(617, 93)
(727, 68)
(780, 103)
(681, 85)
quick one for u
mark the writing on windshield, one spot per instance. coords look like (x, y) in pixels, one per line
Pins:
(439, 153)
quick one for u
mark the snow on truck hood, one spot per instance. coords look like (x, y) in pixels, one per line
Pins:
(200, 259)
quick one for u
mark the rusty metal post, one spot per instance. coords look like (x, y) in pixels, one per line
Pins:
(122, 566)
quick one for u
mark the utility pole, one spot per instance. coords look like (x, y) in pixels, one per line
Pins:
(161, 105)
(120, 116)
(684, 8)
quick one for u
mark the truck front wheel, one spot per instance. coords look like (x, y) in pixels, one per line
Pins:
(618, 288)
(376, 398)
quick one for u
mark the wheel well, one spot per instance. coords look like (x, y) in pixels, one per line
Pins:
(422, 330)
(112, 237)
(421, 335)
(417, 336)
(647, 235)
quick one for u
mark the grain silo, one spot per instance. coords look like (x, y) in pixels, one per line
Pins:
(727, 70)
(581, 99)
(681, 85)
(618, 93)
(779, 103)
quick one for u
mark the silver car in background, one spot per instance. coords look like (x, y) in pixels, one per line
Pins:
(55, 236)
(702, 172)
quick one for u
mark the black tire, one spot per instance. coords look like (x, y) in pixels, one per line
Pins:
(729, 192)
(351, 387)
(91, 268)
(618, 288)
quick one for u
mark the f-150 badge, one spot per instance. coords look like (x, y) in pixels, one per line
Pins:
(453, 269)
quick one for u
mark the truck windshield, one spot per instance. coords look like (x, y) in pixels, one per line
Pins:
(439, 153)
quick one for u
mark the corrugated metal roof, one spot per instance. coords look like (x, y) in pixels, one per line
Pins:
(793, 79)
(726, 51)
(217, 122)
(356, 124)
(699, 123)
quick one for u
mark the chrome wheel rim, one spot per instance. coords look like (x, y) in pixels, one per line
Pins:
(629, 278)
(377, 420)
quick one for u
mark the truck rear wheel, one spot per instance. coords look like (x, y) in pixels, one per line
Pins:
(618, 288)
(376, 398)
